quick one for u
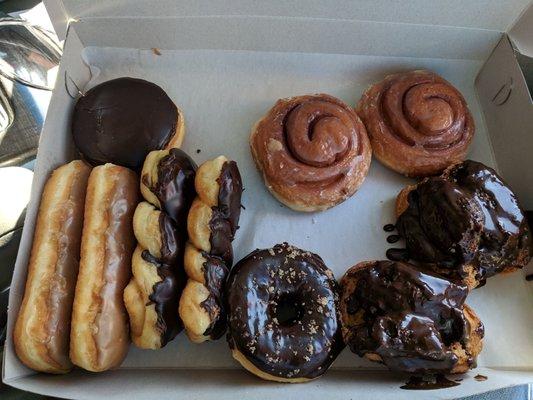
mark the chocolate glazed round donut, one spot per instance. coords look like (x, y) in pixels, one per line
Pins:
(313, 151)
(418, 123)
(283, 314)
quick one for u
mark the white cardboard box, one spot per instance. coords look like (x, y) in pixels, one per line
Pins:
(225, 64)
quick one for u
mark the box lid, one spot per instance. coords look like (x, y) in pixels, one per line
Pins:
(477, 14)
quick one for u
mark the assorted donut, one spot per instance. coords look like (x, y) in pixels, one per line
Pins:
(159, 224)
(466, 224)
(134, 242)
(212, 222)
(313, 151)
(418, 123)
(283, 314)
(409, 320)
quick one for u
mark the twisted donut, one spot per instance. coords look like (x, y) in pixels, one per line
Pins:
(212, 222)
(313, 151)
(159, 224)
(418, 123)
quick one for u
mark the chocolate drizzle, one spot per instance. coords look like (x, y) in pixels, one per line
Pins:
(225, 218)
(229, 195)
(215, 273)
(120, 121)
(171, 243)
(397, 254)
(429, 382)
(283, 306)
(408, 318)
(165, 296)
(466, 218)
(175, 185)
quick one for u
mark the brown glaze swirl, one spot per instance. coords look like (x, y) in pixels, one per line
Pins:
(418, 123)
(465, 224)
(409, 320)
(313, 151)
(283, 321)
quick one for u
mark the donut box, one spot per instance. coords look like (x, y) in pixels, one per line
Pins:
(224, 64)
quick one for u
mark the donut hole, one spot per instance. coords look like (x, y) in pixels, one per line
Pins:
(288, 309)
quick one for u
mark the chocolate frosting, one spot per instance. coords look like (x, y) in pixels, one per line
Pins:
(120, 121)
(225, 218)
(215, 273)
(409, 318)
(230, 193)
(467, 216)
(175, 185)
(221, 236)
(283, 312)
(171, 242)
(165, 296)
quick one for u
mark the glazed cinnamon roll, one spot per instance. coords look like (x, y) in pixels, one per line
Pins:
(466, 224)
(313, 151)
(418, 123)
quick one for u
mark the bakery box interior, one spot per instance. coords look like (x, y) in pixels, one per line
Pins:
(224, 64)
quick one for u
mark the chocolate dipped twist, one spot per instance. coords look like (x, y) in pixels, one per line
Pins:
(418, 123)
(410, 321)
(466, 224)
(212, 223)
(283, 314)
(120, 121)
(152, 296)
(313, 151)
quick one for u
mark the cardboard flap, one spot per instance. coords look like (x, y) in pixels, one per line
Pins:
(483, 14)
(521, 33)
(508, 109)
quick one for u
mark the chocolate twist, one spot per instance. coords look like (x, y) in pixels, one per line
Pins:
(212, 223)
(311, 149)
(418, 122)
(168, 184)
(466, 224)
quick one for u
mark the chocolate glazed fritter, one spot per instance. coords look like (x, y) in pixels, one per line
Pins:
(283, 314)
(152, 296)
(466, 224)
(410, 321)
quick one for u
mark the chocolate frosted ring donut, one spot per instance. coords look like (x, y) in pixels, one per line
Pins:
(418, 123)
(466, 224)
(408, 320)
(313, 151)
(283, 314)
